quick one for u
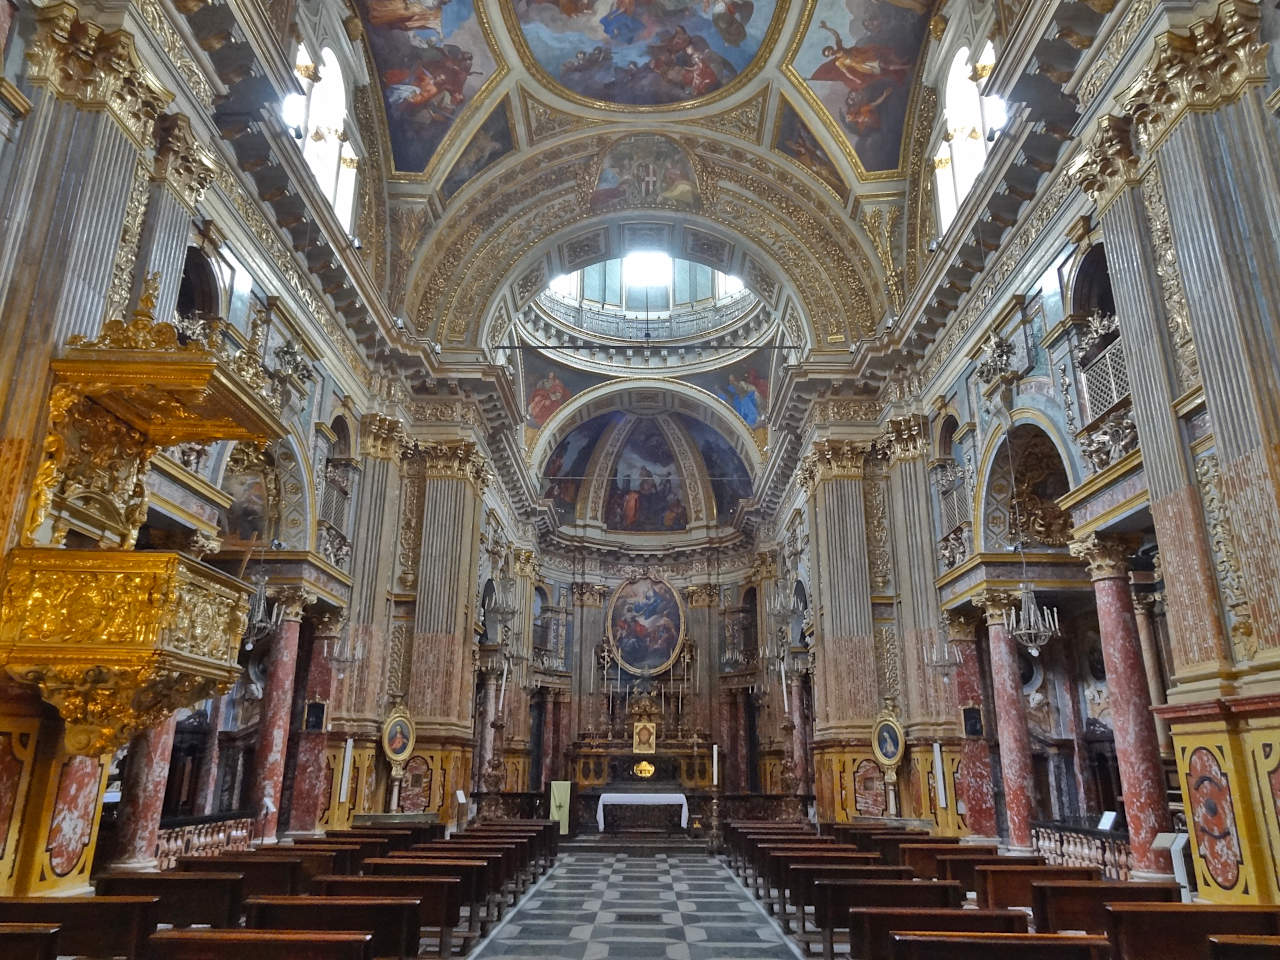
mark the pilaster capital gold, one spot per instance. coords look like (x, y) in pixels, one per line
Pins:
(702, 595)
(328, 625)
(832, 460)
(589, 594)
(181, 159)
(1105, 556)
(458, 459)
(905, 438)
(526, 564)
(995, 603)
(381, 437)
(1108, 163)
(961, 628)
(81, 63)
(1208, 66)
(763, 567)
(293, 597)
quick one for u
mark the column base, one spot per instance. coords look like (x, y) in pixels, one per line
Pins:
(150, 865)
(974, 838)
(1150, 876)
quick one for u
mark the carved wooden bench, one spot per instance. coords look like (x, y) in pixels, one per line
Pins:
(440, 898)
(1244, 948)
(1081, 904)
(800, 878)
(1009, 885)
(476, 876)
(833, 899)
(186, 899)
(101, 926)
(29, 941)
(998, 946)
(264, 876)
(922, 857)
(259, 945)
(962, 867)
(393, 921)
(871, 929)
(1180, 931)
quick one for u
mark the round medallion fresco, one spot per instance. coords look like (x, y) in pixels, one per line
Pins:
(646, 625)
(644, 53)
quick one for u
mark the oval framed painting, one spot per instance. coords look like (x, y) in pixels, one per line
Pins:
(646, 625)
(886, 741)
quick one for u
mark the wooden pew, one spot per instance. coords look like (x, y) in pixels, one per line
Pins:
(1080, 904)
(889, 845)
(393, 921)
(263, 876)
(505, 856)
(997, 946)
(29, 941)
(962, 867)
(922, 857)
(871, 929)
(476, 878)
(776, 860)
(315, 860)
(397, 839)
(259, 945)
(186, 899)
(1244, 948)
(801, 876)
(346, 860)
(365, 847)
(760, 857)
(1180, 931)
(101, 926)
(1010, 886)
(833, 899)
(440, 898)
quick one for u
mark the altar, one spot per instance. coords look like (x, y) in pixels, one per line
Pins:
(629, 799)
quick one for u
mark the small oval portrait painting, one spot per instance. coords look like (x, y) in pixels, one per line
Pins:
(886, 741)
(397, 738)
(646, 625)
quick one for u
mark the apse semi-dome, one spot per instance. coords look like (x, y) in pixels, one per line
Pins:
(628, 54)
(622, 473)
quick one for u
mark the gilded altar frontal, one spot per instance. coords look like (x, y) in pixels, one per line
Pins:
(643, 418)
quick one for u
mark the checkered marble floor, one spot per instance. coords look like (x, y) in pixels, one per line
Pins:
(597, 906)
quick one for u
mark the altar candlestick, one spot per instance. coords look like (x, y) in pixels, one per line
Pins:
(502, 693)
(715, 764)
(785, 706)
(662, 695)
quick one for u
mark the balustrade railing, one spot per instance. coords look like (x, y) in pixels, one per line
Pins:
(1081, 846)
(202, 836)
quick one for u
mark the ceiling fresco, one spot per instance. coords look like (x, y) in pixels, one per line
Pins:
(432, 59)
(794, 139)
(858, 59)
(646, 53)
(493, 141)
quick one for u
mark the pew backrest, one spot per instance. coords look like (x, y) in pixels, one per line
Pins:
(117, 925)
(1004, 885)
(997, 946)
(922, 858)
(1081, 904)
(264, 876)
(186, 898)
(1181, 931)
(871, 929)
(1244, 948)
(393, 921)
(259, 945)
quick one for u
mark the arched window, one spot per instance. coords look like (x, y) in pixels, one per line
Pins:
(970, 120)
(320, 116)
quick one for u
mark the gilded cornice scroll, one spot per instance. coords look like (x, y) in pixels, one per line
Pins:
(920, 194)
(881, 225)
(181, 160)
(116, 640)
(745, 121)
(545, 122)
(381, 437)
(371, 226)
(1105, 556)
(80, 62)
(1177, 313)
(833, 410)
(457, 459)
(175, 48)
(833, 460)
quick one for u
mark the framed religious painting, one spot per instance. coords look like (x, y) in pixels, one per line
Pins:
(644, 737)
(646, 625)
(887, 741)
(398, 736)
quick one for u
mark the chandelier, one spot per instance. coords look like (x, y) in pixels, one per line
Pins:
(1032, 625)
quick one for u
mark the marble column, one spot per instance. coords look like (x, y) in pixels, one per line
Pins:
(487, 732)
(549, 730)
(564, 717)
(310, 786)
(1011, 719)
(975, 785)
(1144, 612)
(146, 774)
(277, 707)
(207, 788)
(742, 741)
(724, 737)
(799, 742)
(1137, 750)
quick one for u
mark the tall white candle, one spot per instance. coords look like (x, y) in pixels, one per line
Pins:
(715, 764)
(502, 693)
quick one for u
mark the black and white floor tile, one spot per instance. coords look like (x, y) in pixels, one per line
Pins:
(601, 907)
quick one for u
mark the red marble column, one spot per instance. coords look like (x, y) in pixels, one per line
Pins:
(799, 744)
(146, 774)
(725, 735)
(549, 731)
(1133, 726)
(277, 705)
(740, 742)
(564, 715)
(974, 783)
(312, 781)
(207, 788)
(1011, 720)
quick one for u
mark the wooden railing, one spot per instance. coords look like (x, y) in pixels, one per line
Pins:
(202, 836)
(1081, 846)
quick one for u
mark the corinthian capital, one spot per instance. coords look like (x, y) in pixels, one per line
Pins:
(906, 438)
(1108, 162)
(181, 159)
(381, 437)
(460, 459)
(1106, 557)
(995, 603)
(293, 597)
(832, 459)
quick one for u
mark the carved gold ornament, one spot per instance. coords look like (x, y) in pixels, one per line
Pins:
(116, 640)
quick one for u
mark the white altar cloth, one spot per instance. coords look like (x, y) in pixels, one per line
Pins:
(643, 800)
